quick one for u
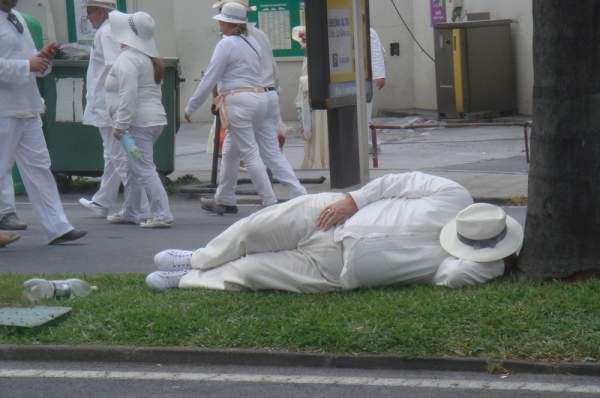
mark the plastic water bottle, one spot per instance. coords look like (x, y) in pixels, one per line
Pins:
(130, 146)
(39, 289)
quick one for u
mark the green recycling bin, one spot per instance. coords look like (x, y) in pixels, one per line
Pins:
(76, 149)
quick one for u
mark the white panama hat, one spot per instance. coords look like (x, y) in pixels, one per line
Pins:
(246, 3)
(233, 13)
(109, 4)
(134, 30)
(482, 232)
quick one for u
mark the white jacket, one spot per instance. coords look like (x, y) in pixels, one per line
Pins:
(394, 236)
(132, 96)
(104, 53)
(19, 94)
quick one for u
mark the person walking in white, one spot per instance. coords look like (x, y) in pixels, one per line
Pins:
(266, 133)
(134, 104)
(387, 232)
(377, 69)
(243, 103)
(105, 51)
(21, 135)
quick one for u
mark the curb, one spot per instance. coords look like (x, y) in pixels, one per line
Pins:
(239, 357)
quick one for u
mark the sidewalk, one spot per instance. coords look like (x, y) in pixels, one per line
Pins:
(488, 161)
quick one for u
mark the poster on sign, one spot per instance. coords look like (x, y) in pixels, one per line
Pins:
(438, 12)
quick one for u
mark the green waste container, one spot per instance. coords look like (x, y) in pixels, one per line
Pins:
(76, 149)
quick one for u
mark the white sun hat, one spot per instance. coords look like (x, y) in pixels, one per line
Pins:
(110, 4)
(134, 30)
(246, 3)
(233, 13)
(482, 232)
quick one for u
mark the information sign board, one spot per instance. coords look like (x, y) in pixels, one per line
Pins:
(277, 18)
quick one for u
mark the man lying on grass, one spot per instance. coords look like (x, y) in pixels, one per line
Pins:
(392, 231)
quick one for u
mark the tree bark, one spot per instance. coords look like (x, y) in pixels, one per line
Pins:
(562, 232)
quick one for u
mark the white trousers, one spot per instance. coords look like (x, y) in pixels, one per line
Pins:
(7, 196)
(272, 156)
(22, 140)
(248, 114)
(115, 160)
(277, 248)
(142, 178)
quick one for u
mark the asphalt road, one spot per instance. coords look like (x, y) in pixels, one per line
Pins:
(92, 380)
(112, 248)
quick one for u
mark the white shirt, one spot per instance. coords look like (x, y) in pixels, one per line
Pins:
(377, 60)
(234, 64)
(105, 51)
(269, 72)
(394, 236)
(19, 94)
(132, 96)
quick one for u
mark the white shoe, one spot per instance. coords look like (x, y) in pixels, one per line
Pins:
(156, 223)
(173, 260)
(119, 218)
(99, 210)
(163, 280)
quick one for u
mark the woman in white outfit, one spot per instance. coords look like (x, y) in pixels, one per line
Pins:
(133, 99)
(243, 102)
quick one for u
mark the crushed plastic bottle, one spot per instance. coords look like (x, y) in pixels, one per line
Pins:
(40, 289)
(130, 146)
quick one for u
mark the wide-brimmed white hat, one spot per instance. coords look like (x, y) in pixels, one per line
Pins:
(482, 232)
(134, 30)
(233, 13)
(246, 3)
(110, 4)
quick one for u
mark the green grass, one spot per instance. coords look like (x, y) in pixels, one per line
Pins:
(505, 319)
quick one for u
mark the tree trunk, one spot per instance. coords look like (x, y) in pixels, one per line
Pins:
(562, 233)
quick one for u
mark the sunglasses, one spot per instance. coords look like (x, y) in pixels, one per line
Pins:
(12, 18)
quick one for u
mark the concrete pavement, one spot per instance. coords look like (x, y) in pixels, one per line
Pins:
(488, 161)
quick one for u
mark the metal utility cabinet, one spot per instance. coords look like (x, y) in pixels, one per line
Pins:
(474, 69)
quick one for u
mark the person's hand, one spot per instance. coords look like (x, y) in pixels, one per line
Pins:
(380, 83)
(38, 64)
(49, 51)
(117, 133)
(337, 213)
(188, 117)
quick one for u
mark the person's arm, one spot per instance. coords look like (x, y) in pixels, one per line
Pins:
(212, 75)
(406, 185)
(455, 272)
(377, 60)
(110, 49)
(126, 71)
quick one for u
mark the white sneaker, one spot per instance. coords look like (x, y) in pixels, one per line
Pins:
(163, 280)
(173, 260)
(119, 218)
(99, 210)
(156, 223)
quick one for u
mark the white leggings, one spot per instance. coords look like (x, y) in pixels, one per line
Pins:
(143, 178)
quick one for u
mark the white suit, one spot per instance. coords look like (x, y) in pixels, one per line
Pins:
(21, 135)
(236, 64)
(392, 239)
(104, 53)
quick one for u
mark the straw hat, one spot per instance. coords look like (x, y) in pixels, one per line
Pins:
(233, 13)
(482, 232)
(134, 30)
(110, 4)
(246, 3)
